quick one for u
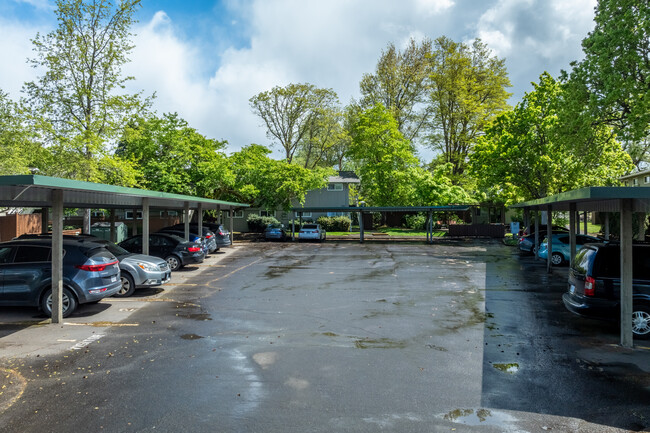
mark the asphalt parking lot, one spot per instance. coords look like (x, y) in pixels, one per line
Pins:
(456, 336)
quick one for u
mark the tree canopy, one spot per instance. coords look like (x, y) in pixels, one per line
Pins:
(541, 147)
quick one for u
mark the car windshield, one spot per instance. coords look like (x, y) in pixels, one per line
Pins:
(310, 226)
(583, 260)
(116, 250)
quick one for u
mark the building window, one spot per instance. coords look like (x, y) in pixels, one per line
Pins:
(304, 214)
(129, 215)
(636, 182)
(172, 213)
(335, 187)
(646, 179)
(238, 214)
(267, 213)
(335, 214)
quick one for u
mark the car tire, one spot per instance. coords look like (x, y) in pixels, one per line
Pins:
(69, 302)
(173, 262)
(557, 259)
(128, 286)
(641, 321)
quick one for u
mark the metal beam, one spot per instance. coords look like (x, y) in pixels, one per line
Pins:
(536, 235)
(57, 256)
(606, 226)
(627, 234)
(199, 219)
(549, 237)
(186, 219)
(361, 226)
(572, 234)
(145, 226)
(231, 213)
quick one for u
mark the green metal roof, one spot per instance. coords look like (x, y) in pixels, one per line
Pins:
(595, 198)
(35, 191)
(457, 208)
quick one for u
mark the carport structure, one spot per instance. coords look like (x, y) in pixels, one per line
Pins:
(626, 201)
(363, 209)
(49, 192)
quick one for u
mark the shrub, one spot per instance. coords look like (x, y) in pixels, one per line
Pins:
(257, 223)
(415, 222)
(335, 224)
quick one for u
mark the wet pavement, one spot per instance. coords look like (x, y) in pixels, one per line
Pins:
(337, 337)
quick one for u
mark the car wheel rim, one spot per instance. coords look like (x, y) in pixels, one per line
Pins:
(641, 322)
(65, 302)
(555, 259)
(126, 286)
(172, 262)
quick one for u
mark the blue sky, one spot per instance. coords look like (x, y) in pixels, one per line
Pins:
(205, 59)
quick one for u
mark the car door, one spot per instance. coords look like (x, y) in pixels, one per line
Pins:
(158, 245)
(24, 277)
(6, 257)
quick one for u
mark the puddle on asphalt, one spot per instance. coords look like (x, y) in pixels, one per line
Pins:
(511, 368)
(380, 343)
(330, 334)
(478, 417)
(191, 337)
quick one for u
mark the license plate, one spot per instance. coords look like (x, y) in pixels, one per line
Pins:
(113, 278)
(572, 289)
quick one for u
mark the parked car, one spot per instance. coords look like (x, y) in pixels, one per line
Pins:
(562, 247)
(193, 237)
(526, 243)
(543, 228)
(175, 250)
(312, 232)
(595, 281)
(90, 273)
(275, 232)
(220, 233)
(207, 235)
(136, 270)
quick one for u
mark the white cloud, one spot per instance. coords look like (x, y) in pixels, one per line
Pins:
(536, 35)
(15, 48)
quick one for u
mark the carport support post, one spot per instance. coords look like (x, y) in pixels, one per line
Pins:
(199, 218)
(431, 226)
(549, 237)
(231, 214)
(361, 227)
(186, 220)
(293, 227)
(526, 218)
(584, 215)
(57, 256)
(606, 226)
(626, 273)
(537, 234)
(111, 230)
(572, 233)
(134, 229)
(145, 226)
(44, 220)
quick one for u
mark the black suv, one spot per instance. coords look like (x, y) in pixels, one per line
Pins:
(90, 273)
(595, 283)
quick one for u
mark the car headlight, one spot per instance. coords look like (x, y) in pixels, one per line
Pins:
(147, 267)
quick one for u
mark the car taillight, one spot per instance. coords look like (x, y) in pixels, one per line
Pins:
(193, 249)
(208, 236)
(590, 286)
(95, 268)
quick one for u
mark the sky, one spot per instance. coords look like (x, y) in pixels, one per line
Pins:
(205, 59)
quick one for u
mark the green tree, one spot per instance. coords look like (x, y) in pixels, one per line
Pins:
(616, 67)
(468, 89)
(435, 188)
(75, 106)
(400, 84)
(544, 146)
(268, 183)
(173, 157)
(18, 150)
(384, 158)
(325, 136)
(289, 113)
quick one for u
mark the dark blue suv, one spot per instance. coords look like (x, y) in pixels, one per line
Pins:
(90, 273)
(594, 288)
